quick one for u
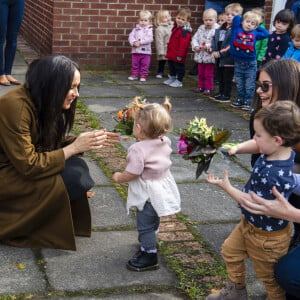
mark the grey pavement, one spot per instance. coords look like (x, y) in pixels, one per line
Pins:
(97, 269)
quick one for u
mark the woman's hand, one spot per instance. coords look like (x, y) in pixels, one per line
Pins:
(278, 208)
(92, 140)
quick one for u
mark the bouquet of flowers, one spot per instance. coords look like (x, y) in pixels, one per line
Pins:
(199, 143)
(125, 116)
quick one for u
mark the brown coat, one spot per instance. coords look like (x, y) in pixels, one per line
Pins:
(35, 209)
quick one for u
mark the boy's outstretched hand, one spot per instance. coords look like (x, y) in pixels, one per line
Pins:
(222, 183)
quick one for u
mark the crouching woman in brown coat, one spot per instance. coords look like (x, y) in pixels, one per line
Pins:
(43, 184)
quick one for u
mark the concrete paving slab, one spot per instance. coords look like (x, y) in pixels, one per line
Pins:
(96, 173)
(202, 202)
(93, 78)
(99, 263)
(16, 280)
(108, 209)
(108, 91)
(185, 170)
(161, 90)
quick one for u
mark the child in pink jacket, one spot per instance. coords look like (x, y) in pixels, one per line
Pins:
(140, 38)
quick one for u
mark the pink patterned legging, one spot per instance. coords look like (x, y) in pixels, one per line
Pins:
(206, 76)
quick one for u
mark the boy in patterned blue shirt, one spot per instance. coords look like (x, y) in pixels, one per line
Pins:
(245, 32)
(262, 238)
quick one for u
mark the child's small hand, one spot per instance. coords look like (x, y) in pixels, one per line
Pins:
(233, 150)
(225, 49)
(215, 54)
(211, 178)
(116, 177)
(179, 58)
(197, 49)
(137, 44)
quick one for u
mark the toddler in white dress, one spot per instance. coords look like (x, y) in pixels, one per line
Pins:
(152, 188)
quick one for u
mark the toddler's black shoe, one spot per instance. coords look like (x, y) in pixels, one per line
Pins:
(143, 261)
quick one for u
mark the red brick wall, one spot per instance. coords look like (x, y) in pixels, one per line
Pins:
(94, 32)
(37, 25)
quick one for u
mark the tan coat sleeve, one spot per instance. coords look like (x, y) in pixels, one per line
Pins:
(18, 128)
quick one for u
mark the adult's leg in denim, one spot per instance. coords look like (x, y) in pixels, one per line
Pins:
(264, 252)
(161, 66)
(250, 76)
(219, 6)
(146, 224)
(234, 254)
(287, 272)
(14, 21)
(239, 79)
(209, 76)
(145, 64)
(3, 27)
(172, 68)
(135, 68)
(180, 70)
(228, 76)
(201, 72)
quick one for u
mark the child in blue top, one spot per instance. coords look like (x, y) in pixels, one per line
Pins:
(279, 39)
(262, 238)
(294, 49)
(244, 34)
(221, 52)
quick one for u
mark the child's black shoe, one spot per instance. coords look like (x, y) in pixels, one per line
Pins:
(143, 261)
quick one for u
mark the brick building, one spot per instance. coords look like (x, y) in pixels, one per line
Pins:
(95, 32)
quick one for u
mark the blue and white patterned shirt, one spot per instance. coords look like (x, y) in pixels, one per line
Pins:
(265, 175)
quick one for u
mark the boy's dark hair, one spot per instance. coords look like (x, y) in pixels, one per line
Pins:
(285, 16)
(281, 118)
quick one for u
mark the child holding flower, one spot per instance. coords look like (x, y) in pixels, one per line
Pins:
(202, 46)
(262, 238)
(152, 188)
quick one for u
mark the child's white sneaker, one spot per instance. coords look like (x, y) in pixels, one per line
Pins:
(132, 77)
(170, 80)
(143, 79)
(176, 84)
(159, 76)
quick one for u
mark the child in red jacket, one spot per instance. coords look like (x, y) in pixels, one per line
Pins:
(178, 47)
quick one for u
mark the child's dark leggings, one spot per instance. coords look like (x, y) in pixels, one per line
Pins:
(147, 223)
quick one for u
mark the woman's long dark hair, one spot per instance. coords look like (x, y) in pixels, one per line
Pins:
(48, 81)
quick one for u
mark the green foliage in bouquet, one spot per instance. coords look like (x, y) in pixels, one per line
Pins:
(199, 143)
